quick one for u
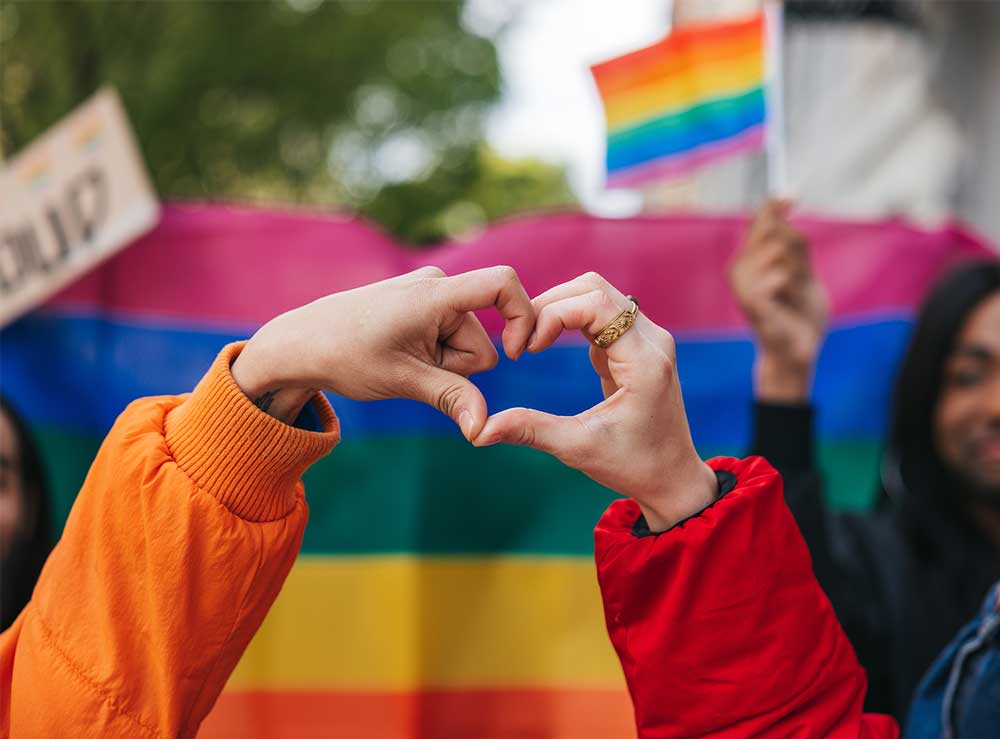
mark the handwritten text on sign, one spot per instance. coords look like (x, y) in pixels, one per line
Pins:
(74, 197)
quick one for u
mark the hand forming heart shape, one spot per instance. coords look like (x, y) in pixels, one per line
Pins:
(416, 336)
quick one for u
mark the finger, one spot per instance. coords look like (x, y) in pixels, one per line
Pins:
(772, 212)
(468, 350)
(580, 285)
(767, 288)
(782, 242)
(585, 283)
(794, 243)
(453, 395)
(589, 313)
(771, 215)
(500, 287)
(564, 437)
(599, 361)
(781, 208)
(772, 257)
(426, 271)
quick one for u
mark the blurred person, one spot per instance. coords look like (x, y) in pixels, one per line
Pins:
(905, 578)
(25, 525)
(193, 512)
(958, 695)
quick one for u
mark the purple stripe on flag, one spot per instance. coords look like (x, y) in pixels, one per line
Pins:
(749, 140)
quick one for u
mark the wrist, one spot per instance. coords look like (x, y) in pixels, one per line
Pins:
(688, 490)
(246, 459)
(780, 379)
(260, 381)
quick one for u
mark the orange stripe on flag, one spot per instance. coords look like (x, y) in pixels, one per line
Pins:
(449, 714)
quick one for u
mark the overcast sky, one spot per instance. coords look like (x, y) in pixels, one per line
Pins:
(550, 107)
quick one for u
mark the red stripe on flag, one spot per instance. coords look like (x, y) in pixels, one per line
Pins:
(444, 714)
(698, 42)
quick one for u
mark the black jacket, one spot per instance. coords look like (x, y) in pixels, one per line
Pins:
(902, 579)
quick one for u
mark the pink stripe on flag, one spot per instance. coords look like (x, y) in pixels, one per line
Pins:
(218, 266)
(679, 164)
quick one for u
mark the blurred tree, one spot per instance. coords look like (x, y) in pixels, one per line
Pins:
(475, 190)
(372, 106)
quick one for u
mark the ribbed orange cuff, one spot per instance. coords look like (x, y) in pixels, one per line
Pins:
(247, 459)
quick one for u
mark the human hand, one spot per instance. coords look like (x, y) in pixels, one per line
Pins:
(636, 441)
(784, 301)
(412, 336)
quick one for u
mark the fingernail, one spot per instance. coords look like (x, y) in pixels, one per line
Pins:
(487, 441)
(531, 340)
(465, 423)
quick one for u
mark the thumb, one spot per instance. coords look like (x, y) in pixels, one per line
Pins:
(564, 437)
(781, 207)
(453, 395)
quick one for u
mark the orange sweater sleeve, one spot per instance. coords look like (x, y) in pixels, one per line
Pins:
(179, 541)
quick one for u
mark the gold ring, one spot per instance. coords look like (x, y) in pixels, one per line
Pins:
(614, 330)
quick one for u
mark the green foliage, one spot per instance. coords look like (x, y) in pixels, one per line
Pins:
(462, 198)
(370, 106)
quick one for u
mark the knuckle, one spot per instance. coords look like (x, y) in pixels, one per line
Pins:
(526, 435)
(668, 362)
(739, 275)
(783, 278)
(506, 273)
(666, 356)
(770, 232)
(488, 359)
(666, 368)
(594, 279)
(667, 342)
(430, 271)
(447, 398)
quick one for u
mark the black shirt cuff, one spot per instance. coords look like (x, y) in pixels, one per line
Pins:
(726, 481)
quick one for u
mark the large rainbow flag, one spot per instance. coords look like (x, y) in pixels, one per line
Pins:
(448, 592)
(694, 97)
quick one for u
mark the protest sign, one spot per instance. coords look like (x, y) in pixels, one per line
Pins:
(76, 195)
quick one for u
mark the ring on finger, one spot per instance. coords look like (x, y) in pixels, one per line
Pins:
(617, 328)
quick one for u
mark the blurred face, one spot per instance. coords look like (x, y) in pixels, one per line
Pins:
(967, 421)
(11, 497)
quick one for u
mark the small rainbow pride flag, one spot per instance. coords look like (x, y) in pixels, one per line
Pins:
(694, 97)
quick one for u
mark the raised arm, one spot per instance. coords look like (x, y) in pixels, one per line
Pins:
(785, 304)
(708, 591)
(179, 540)
(193, 511)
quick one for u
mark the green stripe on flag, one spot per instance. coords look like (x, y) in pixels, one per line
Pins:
(438, 495)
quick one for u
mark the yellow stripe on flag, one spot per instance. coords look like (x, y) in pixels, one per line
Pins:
(399, 623)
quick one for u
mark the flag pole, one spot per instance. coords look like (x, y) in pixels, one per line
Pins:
(776, 145)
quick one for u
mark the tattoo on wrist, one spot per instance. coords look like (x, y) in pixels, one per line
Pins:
(264, 401)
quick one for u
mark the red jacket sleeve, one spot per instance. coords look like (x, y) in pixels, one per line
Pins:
(178, 542)
(721, 628)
